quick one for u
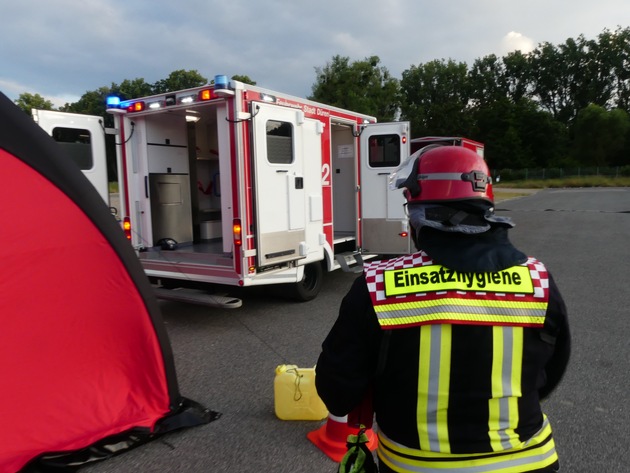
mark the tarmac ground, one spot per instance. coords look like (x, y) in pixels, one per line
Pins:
(226, 359)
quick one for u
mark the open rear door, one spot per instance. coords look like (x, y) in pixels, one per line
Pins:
(281, 184)
(383, 147)
(83, 139)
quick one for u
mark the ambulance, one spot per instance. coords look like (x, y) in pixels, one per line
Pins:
(232, 184)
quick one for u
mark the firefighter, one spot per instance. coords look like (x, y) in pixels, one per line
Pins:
(459, 342)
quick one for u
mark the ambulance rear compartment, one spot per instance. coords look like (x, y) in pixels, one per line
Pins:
(188, 219)
(189, 196)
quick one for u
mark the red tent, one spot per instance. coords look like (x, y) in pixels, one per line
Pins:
(85, 360)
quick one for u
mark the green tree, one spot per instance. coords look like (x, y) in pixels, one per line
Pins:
(436, 98)
(600, 136)
(95, 102)
(492, 78)
(517, 79)
(90, 103)
(543, 138)
(487, 80)
(132, 89)
(517, 132)
(179, 80)
(244, 79)
(27, 102)
(547, 71)
(496, 126)
(568, 77)
(585, 79)
(361, 86)
(613, 57)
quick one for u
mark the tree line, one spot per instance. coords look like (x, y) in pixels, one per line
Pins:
(564, 105)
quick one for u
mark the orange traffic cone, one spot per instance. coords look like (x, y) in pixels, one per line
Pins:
(331, 437)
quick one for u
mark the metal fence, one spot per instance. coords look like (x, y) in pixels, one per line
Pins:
(559, 173)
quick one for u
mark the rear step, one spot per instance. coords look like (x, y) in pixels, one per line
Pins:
(194, 296)
(348, 258)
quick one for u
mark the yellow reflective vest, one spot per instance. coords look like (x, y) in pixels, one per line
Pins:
(506, 307)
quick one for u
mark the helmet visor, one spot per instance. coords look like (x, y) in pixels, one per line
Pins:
(399, 176)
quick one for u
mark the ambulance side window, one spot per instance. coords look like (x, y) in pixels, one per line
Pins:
(384, 151)
(77, 145)
(279, 142)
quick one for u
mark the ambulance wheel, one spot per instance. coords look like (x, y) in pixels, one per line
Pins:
(310, 285)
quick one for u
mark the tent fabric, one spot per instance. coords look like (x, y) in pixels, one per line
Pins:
(84, 354)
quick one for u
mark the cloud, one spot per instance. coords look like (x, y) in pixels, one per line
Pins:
(11, 89)
(348, 44)
(514, 41)
(277, 43)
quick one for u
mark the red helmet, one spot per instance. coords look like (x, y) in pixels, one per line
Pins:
(445, 173)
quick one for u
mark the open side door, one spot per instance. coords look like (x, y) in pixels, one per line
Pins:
(83, 140)
(383, 146)
(282, 186)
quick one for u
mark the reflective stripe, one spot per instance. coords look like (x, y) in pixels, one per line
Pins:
(441, 417)
(452, 310)
(537, 453)
(434, 373)
(424, 377)
(506, 387)
(441, 176)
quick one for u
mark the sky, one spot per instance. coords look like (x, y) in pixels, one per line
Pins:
(61, 49)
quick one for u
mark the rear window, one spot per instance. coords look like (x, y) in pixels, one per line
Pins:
(77, 144)
(384, 151)
(279, 142)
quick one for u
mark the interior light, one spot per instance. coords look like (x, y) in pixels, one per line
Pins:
(192, 116)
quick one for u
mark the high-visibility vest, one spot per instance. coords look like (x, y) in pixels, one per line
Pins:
(412, 291)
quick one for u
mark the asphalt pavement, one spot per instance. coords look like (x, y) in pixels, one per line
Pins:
(226, 359)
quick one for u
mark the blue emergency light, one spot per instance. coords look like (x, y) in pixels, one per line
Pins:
(220, 82)
(113, 101)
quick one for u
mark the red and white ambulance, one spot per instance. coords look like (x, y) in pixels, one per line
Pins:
(233, 184)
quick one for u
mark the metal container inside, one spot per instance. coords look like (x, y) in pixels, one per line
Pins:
(170, 207)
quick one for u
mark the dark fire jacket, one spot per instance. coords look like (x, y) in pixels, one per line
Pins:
(469, 403)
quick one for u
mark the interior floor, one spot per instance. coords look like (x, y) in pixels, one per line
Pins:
(210, 252)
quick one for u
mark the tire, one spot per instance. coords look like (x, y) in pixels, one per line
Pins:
(310, 285)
